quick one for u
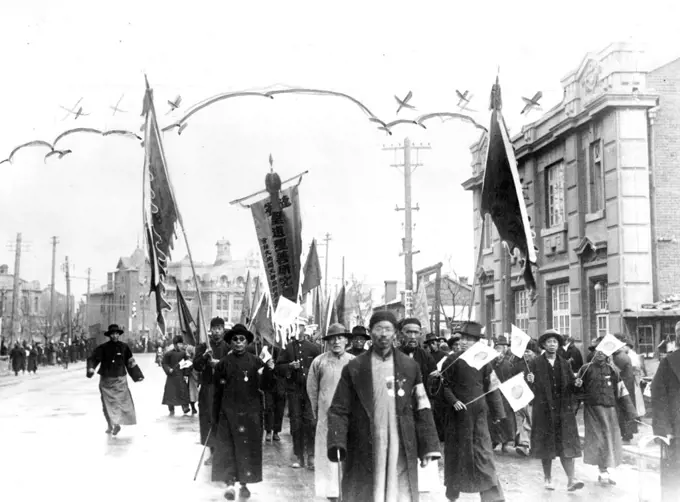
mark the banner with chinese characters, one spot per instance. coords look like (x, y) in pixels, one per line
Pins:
(279, 233)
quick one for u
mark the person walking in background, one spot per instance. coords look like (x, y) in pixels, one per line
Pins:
(18, 358)
(554, 432)
(274, 400)
(572, 354)
(323, 378)
(192, 379)
(503, 432)
(176, 392)
(523, 416)
(359, 339)
(628, 426)
(32, 359)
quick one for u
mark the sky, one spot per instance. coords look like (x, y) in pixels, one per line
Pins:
(55, 53)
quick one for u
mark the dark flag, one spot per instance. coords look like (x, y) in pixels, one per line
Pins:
(340, 306)
(311, 270)
(160, 210)
(187, 325)
(318, 315)
(502, 196)
(262, 325)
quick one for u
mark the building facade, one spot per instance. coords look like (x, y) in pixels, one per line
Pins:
(599, 174)
(125, 299)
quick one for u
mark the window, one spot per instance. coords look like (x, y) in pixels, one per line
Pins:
(487, 231)
(555, 194)
(521, 310)
(601, 308)
(596, 178)
(646, 345)
(238, 306)
(561, 313)
(490, 308)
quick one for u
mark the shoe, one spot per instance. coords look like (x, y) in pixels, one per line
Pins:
(522, 451)
(194, 411)
(574, 485)
(604, 479)
(230, 494)
(296, 465)
(276, 437)
(172, 413)
(116, 430)
(268, 437)
(310, 462)
(244, 493)
(506, 448)
(108, 431)
(549, 485)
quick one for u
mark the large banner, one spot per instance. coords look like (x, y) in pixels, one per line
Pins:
(279, 233)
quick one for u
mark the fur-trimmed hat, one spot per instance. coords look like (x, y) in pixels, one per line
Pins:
(358, 331)
(216, 322)
(239, 329)
(550, 333)
(383, 315)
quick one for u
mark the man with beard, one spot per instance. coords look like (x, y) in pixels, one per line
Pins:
(410, 345)
(359, 339)
(176, 391)
(236, 414)
(114, 359)
(322, 381)
(554, 432)
(205, 361)
(293, 364)
(380, 422)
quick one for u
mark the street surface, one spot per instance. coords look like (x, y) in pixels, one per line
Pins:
(54, 448)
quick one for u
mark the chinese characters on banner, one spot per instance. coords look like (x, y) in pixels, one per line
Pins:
(279, 234)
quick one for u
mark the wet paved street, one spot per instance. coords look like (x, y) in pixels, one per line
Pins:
(54, 447)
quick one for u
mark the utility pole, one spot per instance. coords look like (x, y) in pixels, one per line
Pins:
(86, 321)
(55, 241)
(68, 297)
(327, 239)
(407, 242)
(15, 322)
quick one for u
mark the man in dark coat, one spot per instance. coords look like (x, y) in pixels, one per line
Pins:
(18, 357)
(623, 363)
(205, 360)
(553, 422)
(115, 361)
(274, 401)
(32, 359)
(236, 414)
(380, 422)
(435, 389)
(293, 365)
(504, 431)
(176, 391)
(666, 423)
(572, 354)
(468, 454)
(359, 339)
(411, 330)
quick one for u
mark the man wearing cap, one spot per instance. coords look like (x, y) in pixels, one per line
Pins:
(322, 381)
(236, 413)
(553, 421)
(205, 360)
(433, 346)
(440, 409)
(176, 392)
(503, 432)
(293, 365)
(410, 345)
(469, 465)
(624, 365)
(380, 422)
(115, 360)
(359, 339)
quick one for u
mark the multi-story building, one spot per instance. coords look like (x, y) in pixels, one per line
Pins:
(599, 172)
(125, 301)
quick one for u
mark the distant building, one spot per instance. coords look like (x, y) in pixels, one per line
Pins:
(600, 177)
(391, 302)
(455, 300)
(124, 300)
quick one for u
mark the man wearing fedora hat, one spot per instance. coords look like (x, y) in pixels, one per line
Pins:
(322, 381)
(554, 432)
(359, 338)
(293, 364)
(468, 455)
(237, 409)
(115, 361)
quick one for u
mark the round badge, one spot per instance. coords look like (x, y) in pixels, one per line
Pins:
(517, 391)
(223, 381)
(245, 379)
(401, 393)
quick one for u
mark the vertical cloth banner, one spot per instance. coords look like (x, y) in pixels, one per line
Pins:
(186, 322)
(279, 234)
(421, 311)
(312, 270)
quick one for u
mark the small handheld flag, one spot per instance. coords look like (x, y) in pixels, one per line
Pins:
(609, 345)
(479, 355)
(518, 341)
(517, 392)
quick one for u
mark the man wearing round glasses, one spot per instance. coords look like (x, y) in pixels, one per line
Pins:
(380, 421)
(236, 414)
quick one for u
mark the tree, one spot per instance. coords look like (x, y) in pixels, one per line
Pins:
(358, 303)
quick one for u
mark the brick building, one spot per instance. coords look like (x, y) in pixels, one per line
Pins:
(599, 173)
(124, 300)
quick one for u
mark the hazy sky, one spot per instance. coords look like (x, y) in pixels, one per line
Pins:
(54, 53)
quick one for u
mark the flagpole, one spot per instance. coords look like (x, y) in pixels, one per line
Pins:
(474, 277)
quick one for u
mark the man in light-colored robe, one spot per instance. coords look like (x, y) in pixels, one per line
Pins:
(322, 381)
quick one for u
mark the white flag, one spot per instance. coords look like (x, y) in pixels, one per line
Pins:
(609, 345)
(265, 355)
(441, 362)
(286, 312)
(517, 392)
(478, 355)
(518, 341)
(421, 312)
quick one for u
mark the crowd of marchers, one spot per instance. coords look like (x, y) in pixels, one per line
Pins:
(24, 356)
(369, 407)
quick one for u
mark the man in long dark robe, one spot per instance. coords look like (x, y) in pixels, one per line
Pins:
(504, 431)
(176, 392)
(236, 414)
(274, 401)
(468, 454)
(440, 409)
(293, 365)
(18, 357)
(666, 422)
(359, 339)
(380, 422)
(115, 361)
(411, 332)
(205, 361)
(553, 422)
